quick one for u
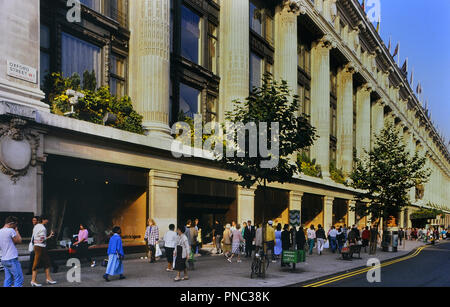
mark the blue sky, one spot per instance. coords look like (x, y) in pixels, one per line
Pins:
(423, 29)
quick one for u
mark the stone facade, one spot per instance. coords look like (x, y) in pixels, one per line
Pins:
(382, 95)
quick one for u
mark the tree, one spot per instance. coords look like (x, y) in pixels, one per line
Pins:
(270, 103)
(385, 175)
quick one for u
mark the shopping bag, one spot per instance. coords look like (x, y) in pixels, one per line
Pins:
(326, 244)
(158, 251)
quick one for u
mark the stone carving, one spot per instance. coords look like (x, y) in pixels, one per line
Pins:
(18, 149)
(294, 6)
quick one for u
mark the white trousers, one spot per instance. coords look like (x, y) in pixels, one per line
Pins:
(320, 243)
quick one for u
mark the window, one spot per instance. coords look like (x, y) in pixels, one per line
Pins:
(211, 109)
(189, 100)
(45, 53)
(256, 68)
(92, 4)
(304, 58)
(117, 76)
(261, 21)
(190, 35)
(78, 56)
(212, 48)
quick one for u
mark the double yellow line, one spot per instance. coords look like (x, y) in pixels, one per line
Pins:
(364, 270)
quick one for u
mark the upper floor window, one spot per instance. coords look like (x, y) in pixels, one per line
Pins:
(117, 75)
(45, 52)
(304, 58)
(212, 48)
(261, 21)
(78, 56)
(190, 100)
(114, 9)
(190, 35)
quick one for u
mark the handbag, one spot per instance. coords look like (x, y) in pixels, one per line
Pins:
(326, 244)
(31, 245)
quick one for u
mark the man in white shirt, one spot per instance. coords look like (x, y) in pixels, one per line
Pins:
(9, 237)
(332, 234)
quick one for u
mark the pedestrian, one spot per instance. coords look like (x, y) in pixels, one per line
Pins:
(352, 237)
(34, 221)
(300, 239)
(244, 225)
(258, 239)
(332, 234)
(236, 240)
(83, 246)
(152, 237)
(41, 257)
(193, 234)
(217, 236)
(233, 225)
(115, 255)
(198, 239)
(9, 237)
(340, 238)
(345, 232)
(365, 238)
(321, 237)
(226, 240)
(270, 240)
(285, 240)
(170, 242)
(311, 233)
(408, 233)
(249, 237)
(278, 244)
(181, 254)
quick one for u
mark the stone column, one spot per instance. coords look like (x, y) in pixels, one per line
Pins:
(163, 196)
(377, 120)
(351, 213)
(320, 102)
(246, 204)
(363, 120)
(20, 54)
(295, 202)
(150, 63)
(327, 212)
(235, 54)
(286, 46)
(345, 118)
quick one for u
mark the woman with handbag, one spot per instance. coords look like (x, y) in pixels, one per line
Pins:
(152, 237)
(181, 254)
(115, 255)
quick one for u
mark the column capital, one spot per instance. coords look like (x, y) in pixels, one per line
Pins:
(366, 87)
(296, 194)
(296, 7)
(247, 191)
(350, 68)
(328, 200)
(351, 202)
(326, 42)
(164, 178)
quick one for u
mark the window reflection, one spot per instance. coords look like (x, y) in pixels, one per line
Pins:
(189, 100)
(190, 35)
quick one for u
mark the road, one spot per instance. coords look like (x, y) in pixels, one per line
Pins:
(427, 267)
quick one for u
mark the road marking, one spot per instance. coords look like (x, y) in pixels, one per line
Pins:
(364, 270)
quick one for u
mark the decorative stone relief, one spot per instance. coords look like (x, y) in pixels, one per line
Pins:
(18, 149)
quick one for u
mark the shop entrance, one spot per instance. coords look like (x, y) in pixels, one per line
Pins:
(272, 205)
(312, 210)
(98, 194)
(340, 212)
(206, 200)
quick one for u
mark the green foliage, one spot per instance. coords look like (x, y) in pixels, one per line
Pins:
(308, 166)
(425, 213)
(337, 175)
(386, 174)
(95, 104)
(270, 103)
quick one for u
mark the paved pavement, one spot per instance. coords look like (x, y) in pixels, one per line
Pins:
(430, 268)
(215, 271)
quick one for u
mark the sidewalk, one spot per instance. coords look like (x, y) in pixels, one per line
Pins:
(215, 271)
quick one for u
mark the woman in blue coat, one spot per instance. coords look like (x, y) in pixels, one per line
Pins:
(116, 255)
(278, 247)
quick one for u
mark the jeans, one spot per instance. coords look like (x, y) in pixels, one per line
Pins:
(333, 244)
(311, 245)
(218, 243)
(13, 273)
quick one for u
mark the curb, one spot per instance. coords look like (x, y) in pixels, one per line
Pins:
(349, 270)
